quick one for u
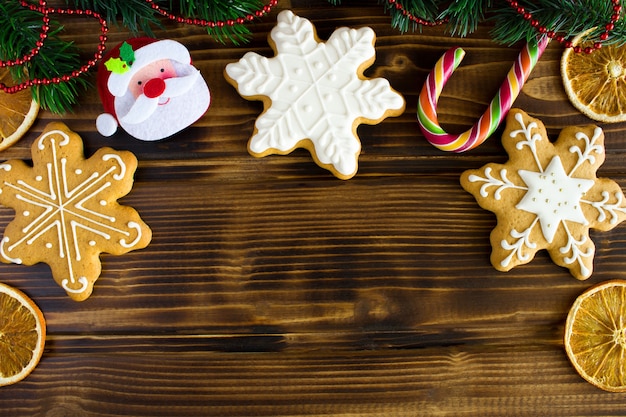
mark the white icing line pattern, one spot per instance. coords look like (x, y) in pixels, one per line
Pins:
(554, 196)
(68, 210)
(315, 90)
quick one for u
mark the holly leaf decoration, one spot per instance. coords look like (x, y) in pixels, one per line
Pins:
(127, 54)
(116, 65)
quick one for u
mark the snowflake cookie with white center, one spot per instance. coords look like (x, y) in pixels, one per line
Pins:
(66, 209)
(314, 93)
(547, 196)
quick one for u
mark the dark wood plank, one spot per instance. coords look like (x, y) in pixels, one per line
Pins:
(442, 381)
(273, 289)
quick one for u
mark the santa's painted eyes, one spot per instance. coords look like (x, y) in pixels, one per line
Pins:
(138, 82)
(162, 69)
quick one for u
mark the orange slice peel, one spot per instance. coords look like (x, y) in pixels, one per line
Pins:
(595, 335)
(18, 112)
(596, 83)
(22, 335)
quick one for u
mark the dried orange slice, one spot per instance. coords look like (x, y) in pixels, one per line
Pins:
(22, 335)
(18, 111)
(595, 335)
(596, 83)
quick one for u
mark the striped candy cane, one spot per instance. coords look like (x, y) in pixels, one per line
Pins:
(495, 113)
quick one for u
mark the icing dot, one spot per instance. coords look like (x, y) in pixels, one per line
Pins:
(298, 71)
(26, 213)
(318, 65)
(78, 171)
(92, 243)
(103, 202)
(38, 178)
(308, 108)
(48, 245)
(293, 88)
(328, 97)
(332, 77)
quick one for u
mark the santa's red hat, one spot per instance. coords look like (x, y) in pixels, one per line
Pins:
(116, 70)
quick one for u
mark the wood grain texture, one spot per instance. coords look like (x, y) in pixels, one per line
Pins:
(273, 289)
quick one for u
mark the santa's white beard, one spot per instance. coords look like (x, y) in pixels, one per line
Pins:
(179, 112)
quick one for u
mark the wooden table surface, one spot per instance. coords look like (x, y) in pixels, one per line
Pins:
(271, 288)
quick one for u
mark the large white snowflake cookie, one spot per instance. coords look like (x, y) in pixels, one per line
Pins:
(547, 196)
(66, 210)
(314, 93)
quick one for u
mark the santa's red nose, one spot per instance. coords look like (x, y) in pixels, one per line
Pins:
(154, 88)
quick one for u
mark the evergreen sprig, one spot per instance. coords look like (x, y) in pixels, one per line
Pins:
(138, 16)
(19, 31)
(20, 27)
(569, 17)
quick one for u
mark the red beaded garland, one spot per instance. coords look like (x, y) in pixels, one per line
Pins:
(46, 12)
(617, 9)
(414, 18)
(209, 23)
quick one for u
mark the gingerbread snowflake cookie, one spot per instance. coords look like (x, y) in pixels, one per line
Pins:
(66, 210)
(314, 93)
(547, 196)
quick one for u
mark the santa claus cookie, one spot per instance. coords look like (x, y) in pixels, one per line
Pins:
(314, 93)
(547, 196)
(150, 89)
(66, 210)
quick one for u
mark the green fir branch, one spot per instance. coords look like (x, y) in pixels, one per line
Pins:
(465, 15)
(138, 16)
(221, 10)
(568, 18)
(20, 28)
(135, 15)
(19, 32)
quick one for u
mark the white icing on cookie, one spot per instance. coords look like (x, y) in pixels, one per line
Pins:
(316, 92)
(554, 197)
